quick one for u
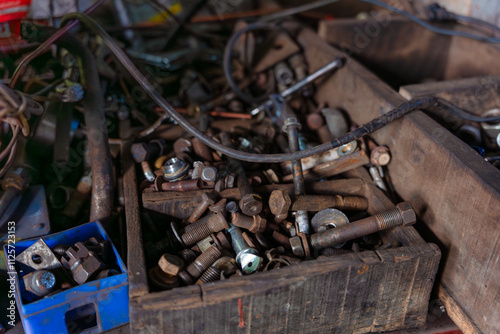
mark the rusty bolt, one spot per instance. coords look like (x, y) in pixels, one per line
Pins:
(187, 255)
(170, 264)
(203, 262)
(380, 156)
(210, 275)
(207, 199)
(163, 280)
(140, 152)
(215, 224)
(251, 204)
(182, 145)
(186, 278)
(402, 215)
(279, 202)
(253, 224)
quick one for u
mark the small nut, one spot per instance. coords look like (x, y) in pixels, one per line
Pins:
(380, 156)
(279, 202)
(170, 264)
(407, 212)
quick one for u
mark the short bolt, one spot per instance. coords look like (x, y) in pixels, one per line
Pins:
(402, 215)
(203, 262)
(206, 200)
(212, 274)
(215, 224)
(255, 224)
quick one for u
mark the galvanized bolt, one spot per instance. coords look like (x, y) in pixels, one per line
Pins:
(209, 174)
(215, 224)
(40, 282)
(247, 258)
(175, 169)
(203, 262)
(207, 199)
(403, 215)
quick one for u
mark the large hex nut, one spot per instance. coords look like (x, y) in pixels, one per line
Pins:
(407, 212)
(279, 202)
(251, 204)
(87, 268)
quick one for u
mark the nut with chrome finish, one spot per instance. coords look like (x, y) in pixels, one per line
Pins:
(209, 174)
(175, 169)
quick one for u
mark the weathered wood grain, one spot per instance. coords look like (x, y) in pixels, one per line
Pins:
(454, 191)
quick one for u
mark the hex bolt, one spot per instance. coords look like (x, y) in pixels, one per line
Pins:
(170, 264)
(279, 202)
(201, 221)
(255, 224)
(402, 215)
(212, 274)
(147, 171)
(281, 239)
(184, 185)
(203, 262)
(247, 258)
(380, 156)
(40, 282)
(207, 199)
(215, 224)
(250, 202)
(144, 151)
(175, 169)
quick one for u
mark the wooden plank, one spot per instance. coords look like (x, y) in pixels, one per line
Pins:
(404, 52)
(337, 294)
(138, 284)
(434, 171)
(456, 314)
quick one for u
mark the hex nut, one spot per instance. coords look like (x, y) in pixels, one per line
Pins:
(250, 204)
(407, 212)
(170, 264)
(279, 202)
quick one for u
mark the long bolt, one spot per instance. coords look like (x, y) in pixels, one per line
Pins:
(215, 224)
(403, 215)
(206, 201)
(203, 262)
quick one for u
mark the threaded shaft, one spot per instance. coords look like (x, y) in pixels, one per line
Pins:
(204, 261)
(198, 233)
(212, 274)
(197, 223)
(389, 219)
(201, 150)
(60, 249)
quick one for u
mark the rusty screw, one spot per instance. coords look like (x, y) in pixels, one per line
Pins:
(170, 264)
(144, 151)
(210, 275)
(279, 203)
(255, 224)
(403, 215)
(203, 262)
(215, 224)
(207, 199)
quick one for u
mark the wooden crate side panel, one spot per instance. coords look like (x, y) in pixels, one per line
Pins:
(435, 173)
(358, 293)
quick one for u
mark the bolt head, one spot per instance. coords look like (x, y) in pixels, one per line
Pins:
(218, 222)
(209, 198)
(140, 152)
(170, 264)
(407, 212)
(297, 248)
(380, 156)
(279, 202)
(209, 174)
(251, 204)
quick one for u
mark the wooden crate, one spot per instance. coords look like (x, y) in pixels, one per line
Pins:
(371, 291)
(454, 191)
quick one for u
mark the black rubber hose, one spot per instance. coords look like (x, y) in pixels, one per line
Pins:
(374, 125)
